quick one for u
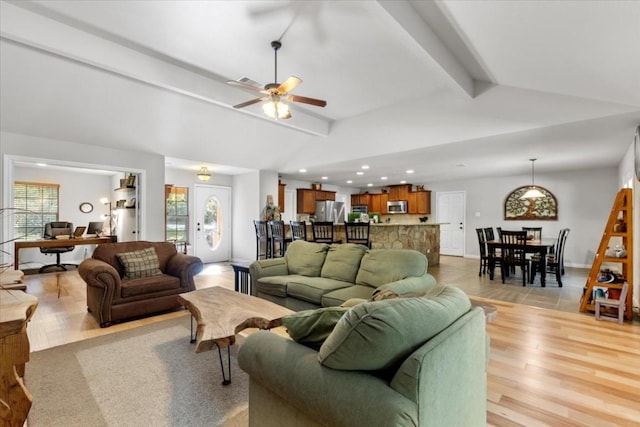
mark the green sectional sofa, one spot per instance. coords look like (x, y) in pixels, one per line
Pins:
(401, 362)
(313, 275)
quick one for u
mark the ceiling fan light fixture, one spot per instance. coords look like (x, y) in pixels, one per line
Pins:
(203, 174)
(532, 192)
(276, 109)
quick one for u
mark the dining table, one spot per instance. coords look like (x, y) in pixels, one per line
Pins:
(541, 247)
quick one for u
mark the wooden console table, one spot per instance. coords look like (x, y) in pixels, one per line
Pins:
(53, 243)
(16, 309)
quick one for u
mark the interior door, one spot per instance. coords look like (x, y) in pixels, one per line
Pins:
(212, 223)
(450, 214)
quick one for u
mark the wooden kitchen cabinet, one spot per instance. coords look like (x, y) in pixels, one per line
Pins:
(281, 196)
(307, 198)
(399, 192)
(306, 203)
(360, 200)
(422, 203)
(378, 203)
(412, 205)
(322, 195)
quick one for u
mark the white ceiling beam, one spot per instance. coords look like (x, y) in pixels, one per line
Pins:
(407, 17)
(36, 31)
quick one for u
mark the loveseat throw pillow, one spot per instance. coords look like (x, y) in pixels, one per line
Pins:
(312, 327)
(377, 335)
(306, 258)
(140, 263)
(343, 261)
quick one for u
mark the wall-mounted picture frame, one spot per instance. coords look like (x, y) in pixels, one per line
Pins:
(517, 209)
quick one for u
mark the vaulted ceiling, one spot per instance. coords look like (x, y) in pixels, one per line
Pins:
(449, 89)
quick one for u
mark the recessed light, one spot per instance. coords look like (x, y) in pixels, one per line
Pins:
(359, 173)
(365, 166)
(410, 171)
(41, 164)
(403, 182)
(325, 177)
(384, 178)
(369, 185)
(349, 182)
(302, 170)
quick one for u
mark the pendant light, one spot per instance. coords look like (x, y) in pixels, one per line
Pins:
(532, 192)
(203, 174)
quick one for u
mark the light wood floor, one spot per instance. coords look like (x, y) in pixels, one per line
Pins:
(549, 365)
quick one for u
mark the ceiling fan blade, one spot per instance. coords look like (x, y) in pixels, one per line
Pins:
(288, 85)
(246, 104)
(305, 100)
(246, 86)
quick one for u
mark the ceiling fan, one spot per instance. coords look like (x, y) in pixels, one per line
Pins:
(275, 92)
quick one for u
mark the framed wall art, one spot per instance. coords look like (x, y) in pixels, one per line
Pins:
(543, 208)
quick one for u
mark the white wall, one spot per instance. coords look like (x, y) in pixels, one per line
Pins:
(247, 204)
(584, 201)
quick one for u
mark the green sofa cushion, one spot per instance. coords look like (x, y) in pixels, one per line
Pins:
(276, 285)
(377, 335)
(312, 327)
(338, 297)
(306, 258)
(312, 289)
(343, 262)
(380, 266)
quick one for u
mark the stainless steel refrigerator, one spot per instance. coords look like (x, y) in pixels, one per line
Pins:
(330, 211)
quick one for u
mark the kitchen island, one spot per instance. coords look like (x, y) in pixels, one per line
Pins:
(422, 237)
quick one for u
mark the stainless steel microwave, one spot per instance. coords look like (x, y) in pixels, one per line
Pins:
(397, 207)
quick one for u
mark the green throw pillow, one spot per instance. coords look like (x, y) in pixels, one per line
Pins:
(140, 263)
(343, 261)
(312, 327)
(377, 335)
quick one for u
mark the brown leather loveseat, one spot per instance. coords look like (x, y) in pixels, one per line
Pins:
(112, 295)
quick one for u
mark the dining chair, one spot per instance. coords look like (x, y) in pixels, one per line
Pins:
(488, 233)
(484, 256)
(554, 262)
(619, 304)
(513, 253)
(278, 239)
(357, 232)
(533, 233)
(262, 239)
(322, 231)
(298, 230)
(499, 231)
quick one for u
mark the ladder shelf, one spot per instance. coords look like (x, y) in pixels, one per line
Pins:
(619, 226)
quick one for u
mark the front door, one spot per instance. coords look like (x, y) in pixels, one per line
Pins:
(212, 223)
(450, 214)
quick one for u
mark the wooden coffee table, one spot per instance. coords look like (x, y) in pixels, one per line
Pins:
(221, 313)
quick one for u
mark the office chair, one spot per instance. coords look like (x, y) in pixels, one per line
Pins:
(51, 230)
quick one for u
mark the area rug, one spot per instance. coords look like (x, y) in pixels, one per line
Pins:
(147, 376)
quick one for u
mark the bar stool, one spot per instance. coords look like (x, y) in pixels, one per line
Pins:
(323, 232)
(278, 238)
(262, 239)
(298, 230)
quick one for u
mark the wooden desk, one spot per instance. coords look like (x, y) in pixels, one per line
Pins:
(16, 308)
(541, 247)
(53, 243)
